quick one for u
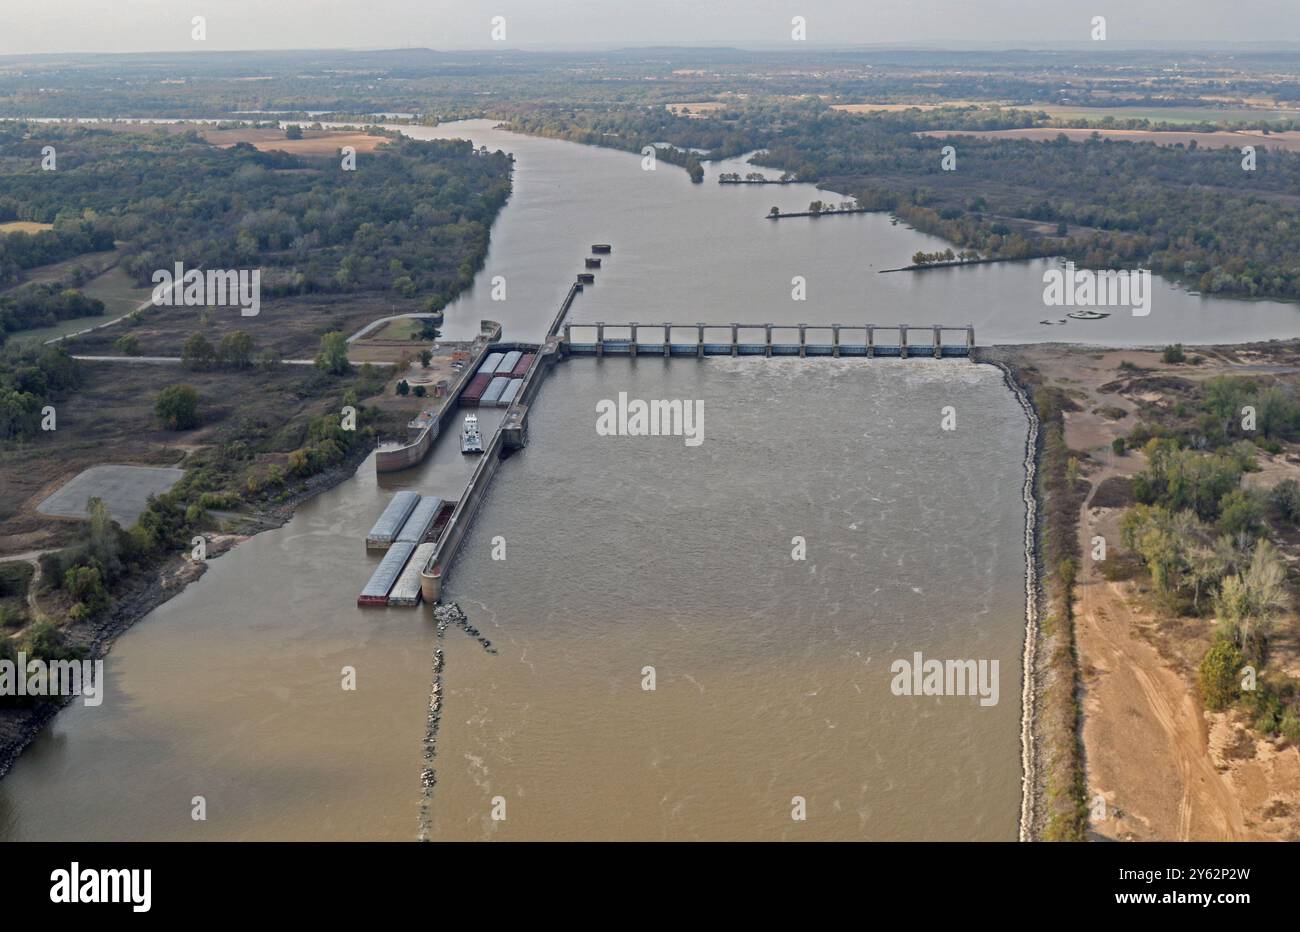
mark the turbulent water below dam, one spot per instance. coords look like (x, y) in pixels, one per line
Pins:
(772, 675)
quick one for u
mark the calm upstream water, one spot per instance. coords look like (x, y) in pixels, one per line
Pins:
(773, 674)
(685, 253)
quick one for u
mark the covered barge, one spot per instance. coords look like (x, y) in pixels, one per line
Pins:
(390, 523)
(386, 574)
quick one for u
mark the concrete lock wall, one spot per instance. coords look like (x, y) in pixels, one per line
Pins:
(404, 457)
(408, 455)
(431, 576)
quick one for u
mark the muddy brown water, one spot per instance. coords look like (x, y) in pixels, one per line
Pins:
(772, 674)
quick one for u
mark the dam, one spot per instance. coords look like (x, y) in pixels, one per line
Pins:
(529, 365)
(845, 340)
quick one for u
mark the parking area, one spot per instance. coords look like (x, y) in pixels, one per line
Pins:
(124, 489)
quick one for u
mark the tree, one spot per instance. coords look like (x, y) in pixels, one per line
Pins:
(178, 407)
(198, 352)
(103, 544)
(293, 132)
(1161, 540)
(333, 355)
(86, 587)
(127, 345)
(1240, 512)
(403, 388)
(1285, 499)
(1217, 676)
(1205, 566)
(1248, 601)
(236, 350)
(426, 357)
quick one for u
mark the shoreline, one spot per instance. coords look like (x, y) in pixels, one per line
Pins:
(19, 727)
(1051, 720)
(1030, 800)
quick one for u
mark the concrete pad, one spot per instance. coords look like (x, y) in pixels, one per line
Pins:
(124, 489)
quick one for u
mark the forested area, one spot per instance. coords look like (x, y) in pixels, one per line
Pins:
(413, 219)
(30, 379)
(70, 237)
(1207, 538)
(43, 305)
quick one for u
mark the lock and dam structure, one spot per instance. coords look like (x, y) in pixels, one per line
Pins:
(632, 340)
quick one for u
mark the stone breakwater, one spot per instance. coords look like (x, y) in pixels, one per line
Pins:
(444, 616)
(1028, 725)
(452, 614)
(428, 777)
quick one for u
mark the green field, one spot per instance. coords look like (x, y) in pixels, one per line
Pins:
(402, 329)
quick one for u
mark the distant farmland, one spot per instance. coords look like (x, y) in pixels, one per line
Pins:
(24, 226)
(1165, 114)
(1215, 140)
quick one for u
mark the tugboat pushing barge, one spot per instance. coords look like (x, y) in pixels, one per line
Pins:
(471, 441)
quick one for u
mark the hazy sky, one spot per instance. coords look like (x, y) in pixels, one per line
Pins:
(154, 25)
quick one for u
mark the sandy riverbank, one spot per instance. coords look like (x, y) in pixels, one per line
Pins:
(1156, 765)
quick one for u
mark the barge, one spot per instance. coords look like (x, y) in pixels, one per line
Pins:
(417, 526)
(507, 365)
(406, 591)
(473, 392)
(392, 520)
(490, 364)
(493, 393)
(385, 575)
(510, 392)
(521, 368)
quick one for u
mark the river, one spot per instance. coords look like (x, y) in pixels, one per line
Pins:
(773, 674)
(687, 252)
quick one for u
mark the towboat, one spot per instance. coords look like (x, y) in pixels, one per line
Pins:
(471, 441)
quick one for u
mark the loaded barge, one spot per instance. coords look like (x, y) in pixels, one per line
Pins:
(407, 529)
(385, 575)
(392, 521)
